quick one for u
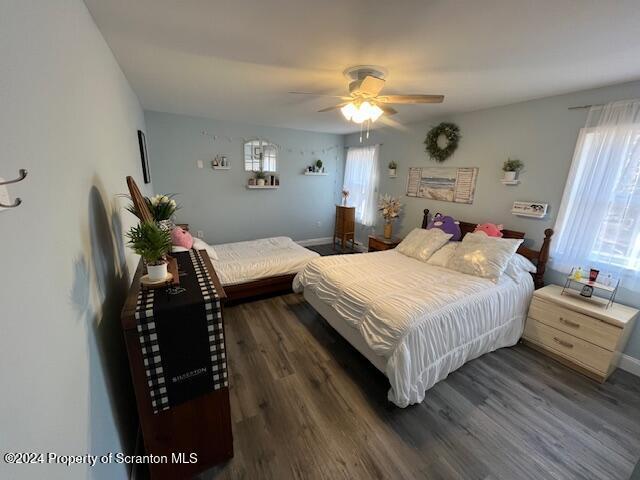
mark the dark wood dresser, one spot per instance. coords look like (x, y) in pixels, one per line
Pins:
(200, 426)
(345, 228)
(378, 243)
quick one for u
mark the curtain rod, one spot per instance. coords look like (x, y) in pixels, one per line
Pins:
(584, 106)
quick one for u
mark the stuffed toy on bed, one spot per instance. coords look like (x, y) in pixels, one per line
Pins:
(489, 229)
(447, 225)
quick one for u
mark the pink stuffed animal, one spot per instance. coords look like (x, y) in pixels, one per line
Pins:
(489, 229)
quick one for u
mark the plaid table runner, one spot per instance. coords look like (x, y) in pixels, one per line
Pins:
(181, 335)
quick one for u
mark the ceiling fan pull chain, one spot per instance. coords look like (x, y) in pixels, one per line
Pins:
(360, 133)
(368, 125)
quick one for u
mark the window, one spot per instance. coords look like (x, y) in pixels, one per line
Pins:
(599, 219)
(361, 181)
(260, 155)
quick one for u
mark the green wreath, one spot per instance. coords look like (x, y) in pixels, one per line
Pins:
(451, 132)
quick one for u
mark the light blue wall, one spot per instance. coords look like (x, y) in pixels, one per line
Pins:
(70, 118)
(218, 202)
(542, 133)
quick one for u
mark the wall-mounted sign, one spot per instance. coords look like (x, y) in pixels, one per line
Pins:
(530, 209)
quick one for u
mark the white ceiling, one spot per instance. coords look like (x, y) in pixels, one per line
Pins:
(237, 59)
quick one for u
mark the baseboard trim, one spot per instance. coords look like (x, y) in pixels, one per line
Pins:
(629, 364)
(310, 242)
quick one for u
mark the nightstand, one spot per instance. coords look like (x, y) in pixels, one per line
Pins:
(378, 243)
(582, 334)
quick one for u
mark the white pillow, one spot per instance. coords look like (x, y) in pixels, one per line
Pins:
(200, 244)
(441, 257)
(421, 244)
(519, 266)
(483, 257)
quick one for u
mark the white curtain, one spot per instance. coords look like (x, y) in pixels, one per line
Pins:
(598, 223)
(361, 180)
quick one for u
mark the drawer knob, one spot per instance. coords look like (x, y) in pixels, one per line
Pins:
(562, 342)
(569, 323)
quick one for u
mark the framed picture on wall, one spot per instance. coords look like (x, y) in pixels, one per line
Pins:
(142, 141)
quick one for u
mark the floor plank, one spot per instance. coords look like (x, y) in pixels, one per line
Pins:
(305, 404)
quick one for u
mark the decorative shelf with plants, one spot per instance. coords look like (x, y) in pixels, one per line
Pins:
(263, 180)
(221, 162)
(315, 169)
(393, 169)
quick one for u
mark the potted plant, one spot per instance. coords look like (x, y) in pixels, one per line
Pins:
(393, 167)
(162, 208)
(152, 244)
(260, 178)
(318, 165)
(390, 208)
(345, 195)
(511, 168)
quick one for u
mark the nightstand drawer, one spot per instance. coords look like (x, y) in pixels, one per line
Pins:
(574, 323)
(568, 346)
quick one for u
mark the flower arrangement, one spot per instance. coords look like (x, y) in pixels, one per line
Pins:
(345, 195)
(389, 207)
(150, 242)
(162, 207)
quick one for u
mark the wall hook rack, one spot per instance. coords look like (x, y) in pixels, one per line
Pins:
(22, 175)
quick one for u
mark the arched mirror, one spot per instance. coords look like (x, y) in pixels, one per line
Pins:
(260, 155)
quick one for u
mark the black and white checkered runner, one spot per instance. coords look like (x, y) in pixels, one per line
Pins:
(182, 336)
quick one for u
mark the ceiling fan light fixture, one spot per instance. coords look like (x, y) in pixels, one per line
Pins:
(375, 113)
(349, 110)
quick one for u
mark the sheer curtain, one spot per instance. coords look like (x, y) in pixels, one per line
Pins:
(361, 180)
(598, 223)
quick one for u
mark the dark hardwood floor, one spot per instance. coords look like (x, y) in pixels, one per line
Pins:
(305, 404)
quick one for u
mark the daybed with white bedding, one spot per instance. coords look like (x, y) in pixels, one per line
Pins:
(415, 321)
(257, 267)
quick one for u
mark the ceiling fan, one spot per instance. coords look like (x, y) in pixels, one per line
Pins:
(364, 104)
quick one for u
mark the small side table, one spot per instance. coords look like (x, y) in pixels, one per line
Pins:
(377, 243)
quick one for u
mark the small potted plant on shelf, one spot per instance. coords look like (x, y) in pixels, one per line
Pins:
(511, 168)
(345, 195)
(393, 167)
(260, 178)
(390, 208)
(318, 166)
(152, 244)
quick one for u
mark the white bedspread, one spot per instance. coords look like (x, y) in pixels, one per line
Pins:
(242, 262)
(427, 321)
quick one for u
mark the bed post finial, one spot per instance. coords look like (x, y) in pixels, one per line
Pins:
(543, 258)
(425, 218)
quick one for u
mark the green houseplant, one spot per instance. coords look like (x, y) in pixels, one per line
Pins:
(318, 165)
(393, 167)
(260, 177)
(511, 168)
(162, 208)
(152, 244)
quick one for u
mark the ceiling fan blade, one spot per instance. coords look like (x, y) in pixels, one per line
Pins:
(390, 122)
(321, 95)
(409, 99)
(371, 85)
(388, 110)
(334, 107)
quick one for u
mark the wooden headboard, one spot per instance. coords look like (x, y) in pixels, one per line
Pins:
(538, 257)
(138, 201)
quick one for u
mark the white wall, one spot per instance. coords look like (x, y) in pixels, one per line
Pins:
(542, 133)
(69, 116)
(218, 202)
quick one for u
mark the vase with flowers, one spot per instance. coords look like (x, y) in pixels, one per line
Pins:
(390, 208)
(345, 195)
(162, 208)
(152, 243)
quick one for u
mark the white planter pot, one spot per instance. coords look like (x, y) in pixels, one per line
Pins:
(157, 272)
(509, 176)
(392, 172)
(261, 182)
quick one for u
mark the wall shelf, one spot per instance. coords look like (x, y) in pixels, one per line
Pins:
(510, 182)
(265, 187)
(222, 168)
(316, 174)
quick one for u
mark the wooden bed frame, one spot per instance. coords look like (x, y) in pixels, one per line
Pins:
(537, 257)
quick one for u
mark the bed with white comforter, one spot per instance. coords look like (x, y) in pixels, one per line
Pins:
(417, 322)
(242, 262)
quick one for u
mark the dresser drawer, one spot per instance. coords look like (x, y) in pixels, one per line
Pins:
(582, 326)
(568, 346)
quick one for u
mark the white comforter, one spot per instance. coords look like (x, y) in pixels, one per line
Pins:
(426, 321)
(242, 262)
